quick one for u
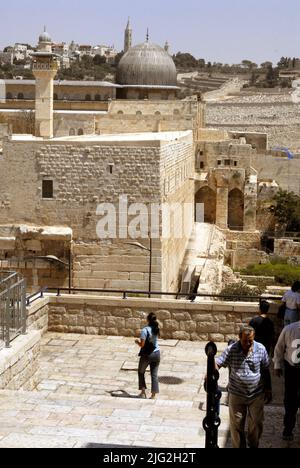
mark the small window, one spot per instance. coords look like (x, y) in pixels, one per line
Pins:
(235, 163)
(55, 97)
(20, 96)
(201, 165)
(139, 113)
(110, 168)
(80, 132)
(219, 162)
(48, 189)
(120, 113)
(9, 96)
(157, 113)
(227, 162)
(72, 132)
(88, 97)
(97, 97)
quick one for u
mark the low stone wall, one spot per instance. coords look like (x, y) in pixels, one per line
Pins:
(19, 363)
(181, 320)
(37, 315)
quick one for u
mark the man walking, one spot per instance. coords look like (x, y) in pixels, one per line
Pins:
(249, 387)
(287, 358)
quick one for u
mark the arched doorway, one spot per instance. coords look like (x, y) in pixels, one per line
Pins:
(208, 198)
(236, 210)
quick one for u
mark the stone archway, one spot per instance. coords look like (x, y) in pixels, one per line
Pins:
(208, 197)
(236, 210)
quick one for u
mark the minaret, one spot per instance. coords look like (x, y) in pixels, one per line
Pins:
(44, 67)
(167, 47)
(128, 37)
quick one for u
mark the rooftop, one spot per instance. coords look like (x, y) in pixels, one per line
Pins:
(124, 137)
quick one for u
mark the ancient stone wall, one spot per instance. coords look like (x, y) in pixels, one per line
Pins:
(287, 248)
(85, 175)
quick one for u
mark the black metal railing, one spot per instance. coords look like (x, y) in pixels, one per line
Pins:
(125, 294)
(12, 307)
(35, 296)
(212, 420)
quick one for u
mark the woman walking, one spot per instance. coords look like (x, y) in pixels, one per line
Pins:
(149, 355)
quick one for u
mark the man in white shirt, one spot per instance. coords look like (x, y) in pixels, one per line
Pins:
(292, 301)
(287, 357)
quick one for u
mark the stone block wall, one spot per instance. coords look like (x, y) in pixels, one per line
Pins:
(180, 320)
(287, 248)
(19, 363)
(85, 175)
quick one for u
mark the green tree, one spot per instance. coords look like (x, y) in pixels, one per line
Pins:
(286, 209)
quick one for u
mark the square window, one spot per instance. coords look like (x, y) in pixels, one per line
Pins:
(227, 162)
(47, 189)
(219, 163)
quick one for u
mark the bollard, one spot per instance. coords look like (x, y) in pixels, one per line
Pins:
(212, 420)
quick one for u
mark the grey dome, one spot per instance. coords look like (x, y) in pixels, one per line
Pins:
(45, 37)
(147, 64)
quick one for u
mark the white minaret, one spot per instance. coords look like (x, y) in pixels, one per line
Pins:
(44, 67)
(128, 37)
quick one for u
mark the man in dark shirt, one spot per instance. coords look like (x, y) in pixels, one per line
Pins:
(264, 327)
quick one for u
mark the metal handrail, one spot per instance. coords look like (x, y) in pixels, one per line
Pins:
(35, 296)
(12, 307)
(190, 297)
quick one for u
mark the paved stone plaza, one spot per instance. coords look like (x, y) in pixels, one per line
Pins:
(87, 394)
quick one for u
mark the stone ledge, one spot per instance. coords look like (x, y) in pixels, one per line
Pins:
(20, 347)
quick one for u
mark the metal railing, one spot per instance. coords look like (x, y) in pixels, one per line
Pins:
(12, 307)
(125, 294)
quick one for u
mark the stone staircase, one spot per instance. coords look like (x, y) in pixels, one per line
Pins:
(204, 260)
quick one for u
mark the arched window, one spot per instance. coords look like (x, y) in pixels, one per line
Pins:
(72, 132)
(97, 97)
(80, 132)
(88, 97)
(120, 113)
(9, 96)
(55, 97)
(20, 96)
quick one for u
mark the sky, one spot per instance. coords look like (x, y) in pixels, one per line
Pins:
(226, 31)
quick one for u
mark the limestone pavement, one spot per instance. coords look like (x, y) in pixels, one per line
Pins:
(87, 394)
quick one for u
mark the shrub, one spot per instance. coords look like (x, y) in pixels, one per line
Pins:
(236, 291)
(284, 274)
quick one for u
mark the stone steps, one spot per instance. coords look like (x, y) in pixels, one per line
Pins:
(44, 419)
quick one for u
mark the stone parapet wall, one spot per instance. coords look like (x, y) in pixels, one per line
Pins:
(37, 316)
(19, 363)
(217, 321)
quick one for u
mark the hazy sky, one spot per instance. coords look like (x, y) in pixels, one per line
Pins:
(218, 30)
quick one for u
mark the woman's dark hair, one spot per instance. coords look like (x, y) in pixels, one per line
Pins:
(296, 286)
(153, 323)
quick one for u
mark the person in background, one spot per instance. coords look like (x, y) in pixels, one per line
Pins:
(149, 355)
(287, 358)
(292, 301)
(264, 327)
(249, 387)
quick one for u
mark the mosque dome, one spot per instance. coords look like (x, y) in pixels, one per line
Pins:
(45, 37)
(147, 65)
